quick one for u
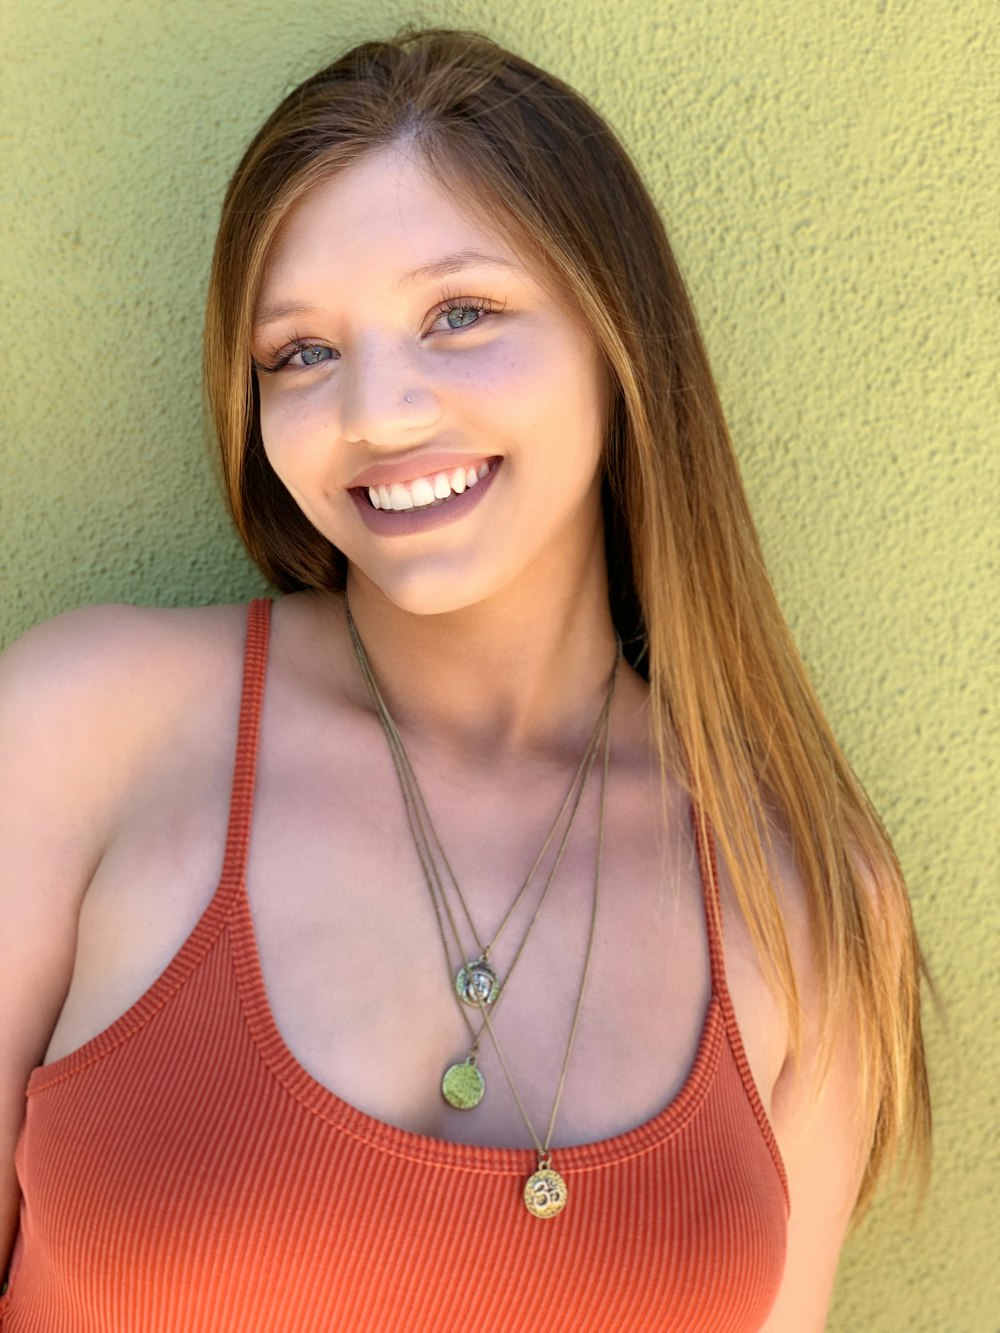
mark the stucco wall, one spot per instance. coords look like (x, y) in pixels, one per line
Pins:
(828, 173)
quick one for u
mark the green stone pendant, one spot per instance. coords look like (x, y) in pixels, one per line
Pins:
(463, 1086)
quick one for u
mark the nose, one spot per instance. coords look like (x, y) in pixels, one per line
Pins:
(387, 398)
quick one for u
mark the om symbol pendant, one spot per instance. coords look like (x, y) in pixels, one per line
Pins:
(463, 1086)
(545, 1192)
(476, 984)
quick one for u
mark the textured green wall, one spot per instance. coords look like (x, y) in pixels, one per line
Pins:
(827, 171)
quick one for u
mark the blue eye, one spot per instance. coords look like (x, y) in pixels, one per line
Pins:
(462, 315)
(312, 356)
(298, 355)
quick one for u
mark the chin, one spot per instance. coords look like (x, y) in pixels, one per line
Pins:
(432, 588)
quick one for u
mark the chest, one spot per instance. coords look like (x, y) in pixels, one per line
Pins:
(278, 1204)
(358, 954)
(200, 1132)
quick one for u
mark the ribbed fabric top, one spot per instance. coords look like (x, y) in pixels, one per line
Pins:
(182, 1173)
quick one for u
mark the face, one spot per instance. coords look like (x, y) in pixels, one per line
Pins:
(434, 407)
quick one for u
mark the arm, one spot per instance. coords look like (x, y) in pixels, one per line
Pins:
(815, 1114)
(818, 1134)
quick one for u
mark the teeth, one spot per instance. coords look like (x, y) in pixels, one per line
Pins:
(422, 492)
(425, 492)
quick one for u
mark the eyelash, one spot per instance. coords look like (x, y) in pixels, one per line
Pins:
(456, 301)
(281, 356)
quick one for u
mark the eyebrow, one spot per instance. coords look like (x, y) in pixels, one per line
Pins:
(454, 263)
(282, 310)
(437, 268)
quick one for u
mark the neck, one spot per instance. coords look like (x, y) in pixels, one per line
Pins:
(523, 672)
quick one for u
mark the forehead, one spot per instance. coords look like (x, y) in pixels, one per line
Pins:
(378, 221)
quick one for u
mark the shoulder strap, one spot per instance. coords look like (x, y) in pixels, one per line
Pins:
(708, 864)
(245, 766)
(705, 843)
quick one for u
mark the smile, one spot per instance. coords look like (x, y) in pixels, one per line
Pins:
(420, 509)
(426, 492)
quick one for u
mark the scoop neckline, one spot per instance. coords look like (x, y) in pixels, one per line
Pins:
(229, 908)
(394, 1140)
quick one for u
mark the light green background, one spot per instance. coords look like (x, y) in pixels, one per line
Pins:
(827, 169)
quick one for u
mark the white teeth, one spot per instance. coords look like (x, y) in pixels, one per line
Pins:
(427, 491)
(422, 492)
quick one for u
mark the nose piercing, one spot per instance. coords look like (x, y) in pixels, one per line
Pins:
(409, 397)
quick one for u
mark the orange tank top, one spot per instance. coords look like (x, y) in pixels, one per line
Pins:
(182, 1173)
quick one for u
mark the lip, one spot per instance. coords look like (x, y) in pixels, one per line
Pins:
(416, 465)
(407, 522)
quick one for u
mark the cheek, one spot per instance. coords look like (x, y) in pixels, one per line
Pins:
(292, 428)
(534, 381)
(555, 399)
(500, 373)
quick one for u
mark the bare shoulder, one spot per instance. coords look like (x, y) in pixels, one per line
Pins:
(77, 656)
(82, 697)
(85, 698)
(114, 667)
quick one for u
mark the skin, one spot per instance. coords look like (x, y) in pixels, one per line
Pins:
(492, 640)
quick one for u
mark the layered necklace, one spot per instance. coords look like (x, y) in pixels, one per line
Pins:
(475, 982)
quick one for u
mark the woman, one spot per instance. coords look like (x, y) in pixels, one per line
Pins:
(558, 972)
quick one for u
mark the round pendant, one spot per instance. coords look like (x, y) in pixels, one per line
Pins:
(463, 1086)
(545, 1192)
(476, 984)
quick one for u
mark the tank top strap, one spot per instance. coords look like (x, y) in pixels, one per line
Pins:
(708, 864)
(708, 861)
(245, 765)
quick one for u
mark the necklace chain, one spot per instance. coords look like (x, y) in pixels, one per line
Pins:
(545, 1190)
(420, 822)
(543, 1147)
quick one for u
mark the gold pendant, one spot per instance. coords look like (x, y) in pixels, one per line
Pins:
(476, 984)
(545, 1192)
(463, 1086)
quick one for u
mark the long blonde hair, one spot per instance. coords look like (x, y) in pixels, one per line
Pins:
(689, 590)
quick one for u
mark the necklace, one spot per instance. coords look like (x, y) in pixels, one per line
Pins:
(476, 983)
(545, 1192)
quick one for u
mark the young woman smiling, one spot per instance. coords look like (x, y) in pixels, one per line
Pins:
(554, 969)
